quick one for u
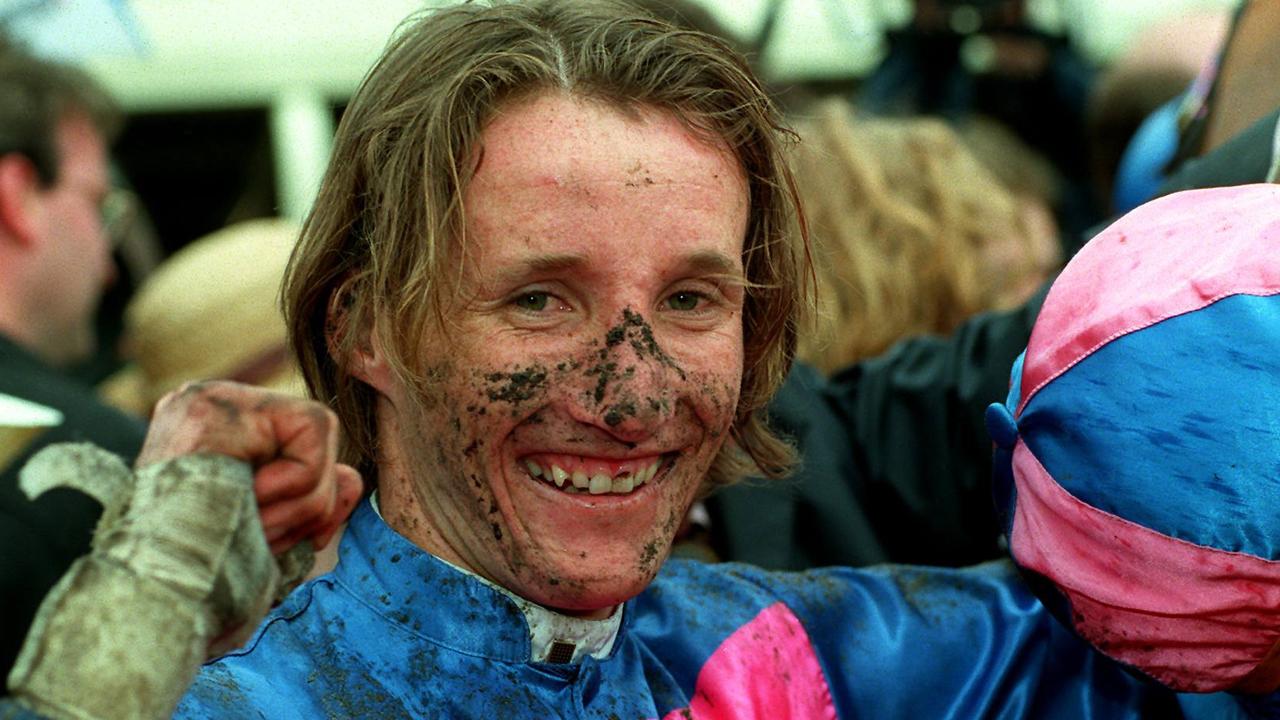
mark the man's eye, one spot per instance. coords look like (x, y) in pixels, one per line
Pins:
(684, 301)
(533, 301)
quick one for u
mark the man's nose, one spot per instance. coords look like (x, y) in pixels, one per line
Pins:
(634, 386)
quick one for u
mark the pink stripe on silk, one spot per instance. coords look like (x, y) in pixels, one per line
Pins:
(765, 670)
(1194, 618)
(1120, 281)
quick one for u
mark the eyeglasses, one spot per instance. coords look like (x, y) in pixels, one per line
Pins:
(119, 210)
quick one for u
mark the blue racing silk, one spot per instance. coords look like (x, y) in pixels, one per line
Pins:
(393, 632)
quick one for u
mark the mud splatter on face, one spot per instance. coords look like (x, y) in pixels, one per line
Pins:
(619, 412)
(721, 396)
(649, 553)
(638, 175)
(634, 331)
(654, 552)
(604, 372)
(568, 365)
(518, 386)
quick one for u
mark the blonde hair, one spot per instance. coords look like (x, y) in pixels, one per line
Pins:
(901, 213)
(384, 244)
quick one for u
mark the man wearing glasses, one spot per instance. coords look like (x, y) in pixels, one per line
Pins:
(56, 204)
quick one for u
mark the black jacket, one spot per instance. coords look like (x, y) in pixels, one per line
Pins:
(897, 462)
(39, 540)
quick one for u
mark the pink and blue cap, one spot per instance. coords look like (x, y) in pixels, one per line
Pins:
(1138, 453)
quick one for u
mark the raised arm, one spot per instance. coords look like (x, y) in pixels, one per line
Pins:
(180, 567)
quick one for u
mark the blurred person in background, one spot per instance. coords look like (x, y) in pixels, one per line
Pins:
(1035, 184)
(55, 263)
(1229, 121)
(1133, 109)
(912, 235)
(211, 311)
(913, 239)
(959, 58)
(1242, 88)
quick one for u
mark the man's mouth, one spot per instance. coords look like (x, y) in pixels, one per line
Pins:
(576, 474)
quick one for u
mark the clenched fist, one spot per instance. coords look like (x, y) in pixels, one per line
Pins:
(291, 443)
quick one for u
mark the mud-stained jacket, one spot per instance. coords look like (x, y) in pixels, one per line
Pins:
(395, 633)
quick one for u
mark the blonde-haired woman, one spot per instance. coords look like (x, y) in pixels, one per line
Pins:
(912, 234)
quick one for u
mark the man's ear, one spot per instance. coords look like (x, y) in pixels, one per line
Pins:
(19, 197)
(353, 342)
(368, 361)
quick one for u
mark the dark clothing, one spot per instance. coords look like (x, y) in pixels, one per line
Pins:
(897, 462)
(923, 74)
(39, 540)
(1242, 160)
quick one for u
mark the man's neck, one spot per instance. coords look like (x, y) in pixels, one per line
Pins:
(553, 636)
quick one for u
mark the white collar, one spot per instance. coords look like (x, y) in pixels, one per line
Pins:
(553, 637)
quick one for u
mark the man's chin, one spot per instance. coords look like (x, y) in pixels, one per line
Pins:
(71, 349)
(600, 613)
(590, 598)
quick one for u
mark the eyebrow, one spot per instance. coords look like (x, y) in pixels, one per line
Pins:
(701, 262)
(710, 262)
(541, 264)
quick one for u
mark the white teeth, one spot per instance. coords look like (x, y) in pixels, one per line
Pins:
(598, 484)
(647, 474)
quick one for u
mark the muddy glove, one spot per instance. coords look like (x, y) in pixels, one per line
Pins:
(179, 571)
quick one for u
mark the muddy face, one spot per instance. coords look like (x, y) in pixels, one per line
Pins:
(592, 370)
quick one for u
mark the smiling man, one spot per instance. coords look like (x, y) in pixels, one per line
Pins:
(551, 281)
(588, 369)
